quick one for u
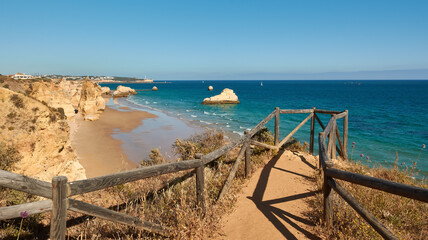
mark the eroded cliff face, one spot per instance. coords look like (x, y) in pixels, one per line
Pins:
(54, 95)
(91, 103)
(39, 132)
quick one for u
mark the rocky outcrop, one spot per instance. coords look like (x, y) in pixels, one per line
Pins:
(40, 134)
(154, 88)
(227, 96)
(123, 91)
(54, 95)
(91, 103)
(210, 88)
(105, 91)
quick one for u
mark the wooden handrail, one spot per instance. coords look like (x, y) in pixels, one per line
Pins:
(25, 184)
(294, 131)
(293, 111)
(327, 111)
(98, 183)
(372, 220)
(31, 208)
(400, 189)
(89, 209)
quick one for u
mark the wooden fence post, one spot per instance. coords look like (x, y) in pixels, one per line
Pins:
(345, 136)
(248, 158)
(276, 142)
(59, 207)
(328, 196)
(200, 185)
(333, 139)
(311, 145)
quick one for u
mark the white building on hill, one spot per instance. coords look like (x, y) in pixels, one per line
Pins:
(22, 76)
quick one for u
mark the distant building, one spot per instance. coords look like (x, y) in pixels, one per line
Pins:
(22, 76)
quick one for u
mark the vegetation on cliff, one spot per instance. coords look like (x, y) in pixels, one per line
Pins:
(406, 218)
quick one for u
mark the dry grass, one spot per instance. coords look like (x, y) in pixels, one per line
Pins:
(406, 218)
(167, 200)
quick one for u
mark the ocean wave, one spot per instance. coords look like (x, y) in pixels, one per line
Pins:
(147, 102)
(241, 134)
(193, 116)
(214, 114)
(242, 127)
(155, 102)
(206, 113)
(228, 126)
(187, 110)
(208, 123)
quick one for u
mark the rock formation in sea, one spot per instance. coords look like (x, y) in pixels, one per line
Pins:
(154, 88)
(227, 96)
(91, 103)
(39, 132)
(210, 88)
(106, 91)
(123, 91)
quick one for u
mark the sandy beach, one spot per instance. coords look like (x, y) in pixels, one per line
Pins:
(97, 150)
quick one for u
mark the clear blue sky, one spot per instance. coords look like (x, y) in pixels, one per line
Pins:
(318, 39)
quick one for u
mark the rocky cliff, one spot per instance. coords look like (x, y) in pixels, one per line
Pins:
(91, 103)
(39, 132)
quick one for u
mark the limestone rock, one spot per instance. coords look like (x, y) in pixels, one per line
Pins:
(227, 96)
(40, 134)
(54, 95)
(210, 88)
(91, 103)
(154, 88)
(123, 91)
(105, 90)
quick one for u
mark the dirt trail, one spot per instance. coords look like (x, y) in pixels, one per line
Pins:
(272, 204)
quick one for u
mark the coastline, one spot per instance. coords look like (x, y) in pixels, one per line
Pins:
(97, 150)
(124, 136)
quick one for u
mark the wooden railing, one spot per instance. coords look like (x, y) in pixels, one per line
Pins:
(59, 191)
(330, 174)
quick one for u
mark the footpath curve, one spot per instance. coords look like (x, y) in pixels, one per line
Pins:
(274, 202)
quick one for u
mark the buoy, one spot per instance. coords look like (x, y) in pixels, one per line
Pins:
(210, 88)
(154, 88)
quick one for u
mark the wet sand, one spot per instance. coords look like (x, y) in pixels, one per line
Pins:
(97, 150)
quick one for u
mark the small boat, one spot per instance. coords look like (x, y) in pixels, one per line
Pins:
(261, 84)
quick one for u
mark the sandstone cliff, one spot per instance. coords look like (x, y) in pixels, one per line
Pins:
(227, 96)
(91, 103)
(54, 95)
(40, 133)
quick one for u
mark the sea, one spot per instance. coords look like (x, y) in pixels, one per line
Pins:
(388, 119)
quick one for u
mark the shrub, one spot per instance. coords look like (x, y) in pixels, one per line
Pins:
(202, 143)
(6, 86)
(17, 101)
(405, 217)
(11, 115)
(295, 145)
(155, 158)
(8, 156)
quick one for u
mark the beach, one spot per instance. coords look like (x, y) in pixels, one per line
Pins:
(123, 137)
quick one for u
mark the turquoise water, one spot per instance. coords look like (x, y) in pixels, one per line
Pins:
(385, 117)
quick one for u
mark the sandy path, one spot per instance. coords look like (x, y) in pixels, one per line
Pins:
(271, 206)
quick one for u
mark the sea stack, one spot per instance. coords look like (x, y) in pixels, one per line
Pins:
(154, 88)
(227, 96)
(123, 91)
(210, 88)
